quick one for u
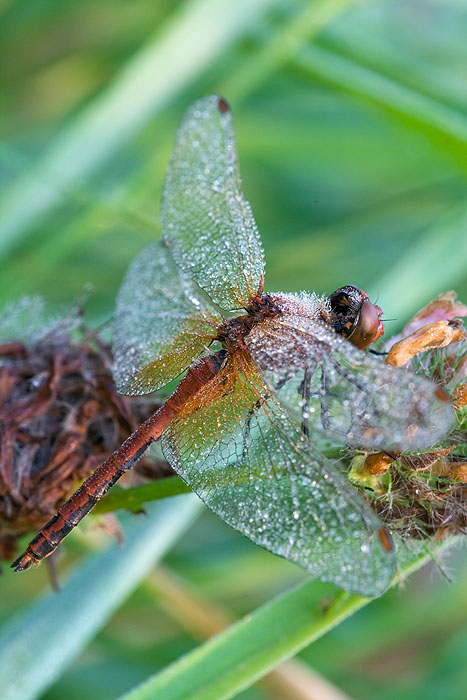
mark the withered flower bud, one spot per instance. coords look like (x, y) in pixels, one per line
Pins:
(60, 417)
(421, 495)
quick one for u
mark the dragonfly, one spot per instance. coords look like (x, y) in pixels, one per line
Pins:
(266, 374)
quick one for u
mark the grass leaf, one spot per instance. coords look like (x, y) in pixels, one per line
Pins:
(135, 498)
(236, 658)
(445, 124)
(39, 644)
(161, 70)
(431, 265)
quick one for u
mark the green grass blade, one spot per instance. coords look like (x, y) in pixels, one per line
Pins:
(162, 69)
(435, 263)
(447, 125)
(135, 498)
(236, 658)
(284, 44)
(39, 644)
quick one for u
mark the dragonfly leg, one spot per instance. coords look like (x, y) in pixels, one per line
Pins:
(281, 383)
(323, 394)
(247, 428)
(349, 376)
(305, 389)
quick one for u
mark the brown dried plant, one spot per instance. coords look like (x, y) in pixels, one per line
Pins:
(424, 495)
(60, 417)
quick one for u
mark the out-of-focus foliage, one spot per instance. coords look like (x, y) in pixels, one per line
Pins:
(351, 121)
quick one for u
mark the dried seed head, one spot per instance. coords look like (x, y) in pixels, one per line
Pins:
(460, 396)
(377, 464)
(60, 417)
(425, 494)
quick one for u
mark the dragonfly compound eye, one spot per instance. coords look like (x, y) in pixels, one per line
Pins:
(355, 317)
(368, 326)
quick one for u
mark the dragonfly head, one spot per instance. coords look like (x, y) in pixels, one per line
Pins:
(355, 317)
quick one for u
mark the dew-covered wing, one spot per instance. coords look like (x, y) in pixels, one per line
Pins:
(236, 447)
(162, 322)
(328, 385)
(206, 220)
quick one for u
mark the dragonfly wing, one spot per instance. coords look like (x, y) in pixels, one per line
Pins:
(162, 322)
(330, 386)
(206, 220)
(240, 452)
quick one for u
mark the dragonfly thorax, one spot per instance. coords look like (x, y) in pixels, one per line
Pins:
(232, 332)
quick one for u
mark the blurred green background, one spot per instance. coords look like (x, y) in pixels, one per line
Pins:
(351, 121)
